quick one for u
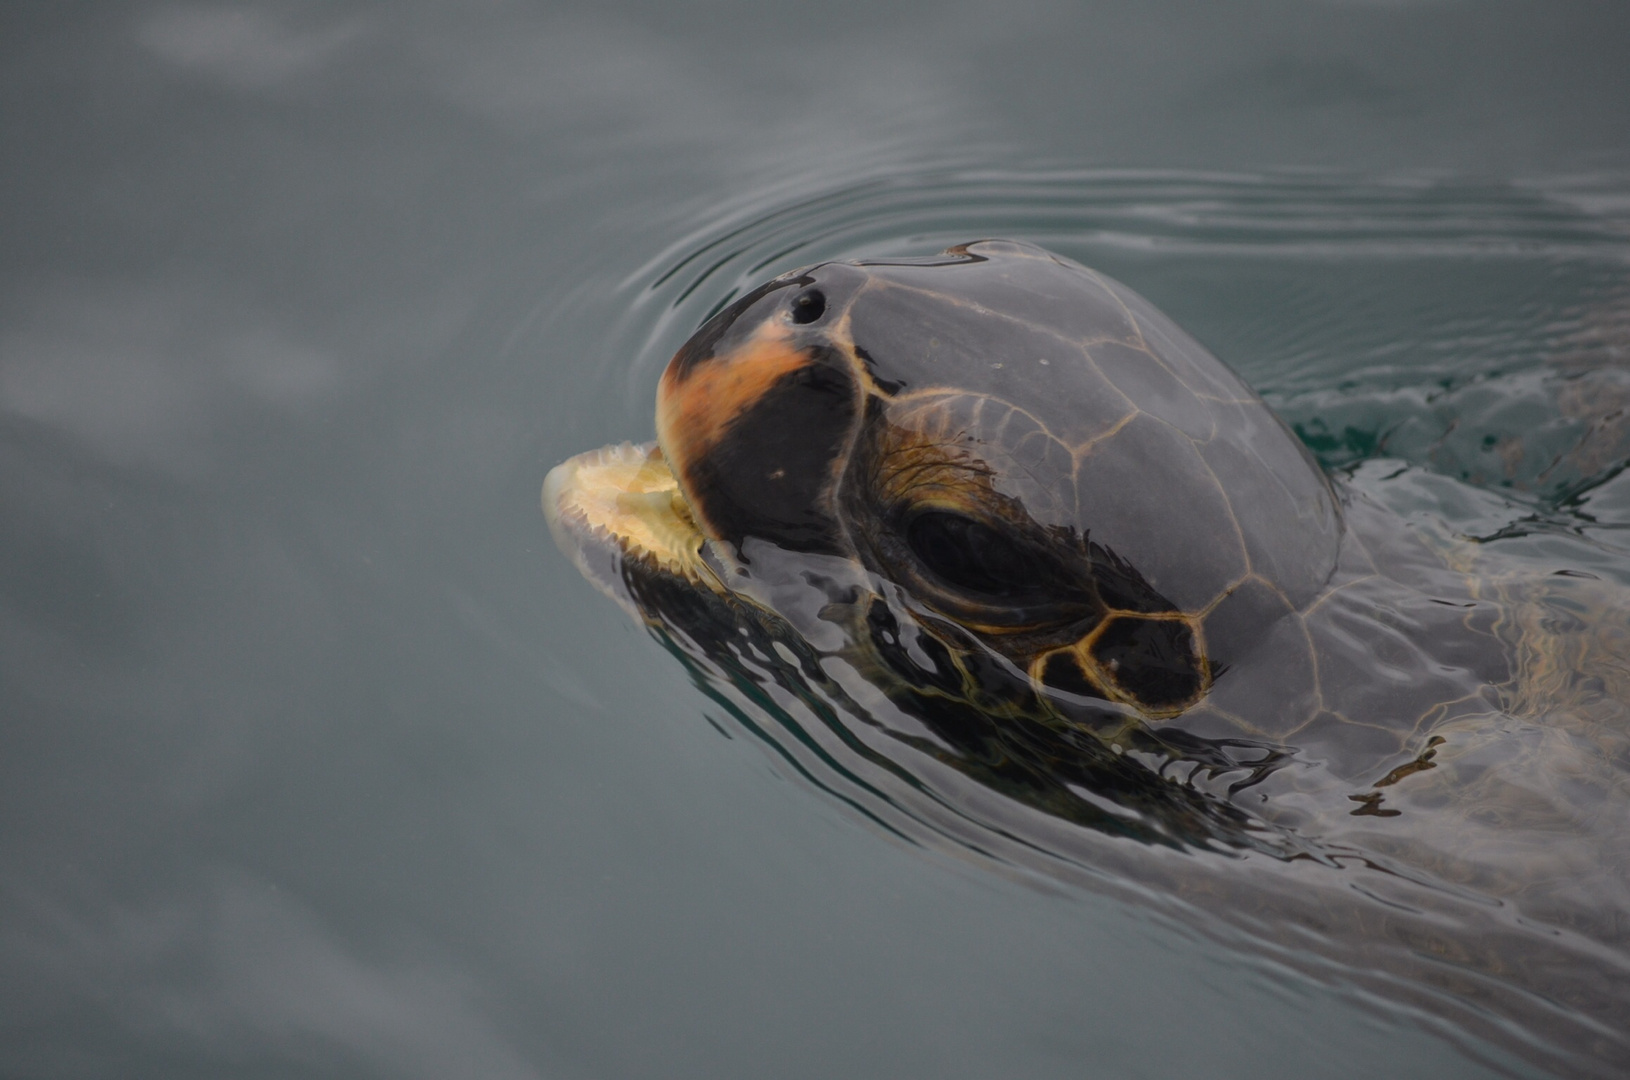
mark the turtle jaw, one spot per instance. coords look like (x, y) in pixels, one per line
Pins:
(619, 508)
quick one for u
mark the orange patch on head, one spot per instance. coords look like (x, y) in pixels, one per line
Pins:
(695, 409)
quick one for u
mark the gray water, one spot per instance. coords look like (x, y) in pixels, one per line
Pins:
(319, 760)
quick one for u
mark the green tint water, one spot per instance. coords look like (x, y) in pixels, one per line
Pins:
(320, 760)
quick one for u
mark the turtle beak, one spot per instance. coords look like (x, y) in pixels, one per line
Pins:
(753, 435)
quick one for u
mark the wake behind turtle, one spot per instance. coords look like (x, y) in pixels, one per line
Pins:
(996, 518)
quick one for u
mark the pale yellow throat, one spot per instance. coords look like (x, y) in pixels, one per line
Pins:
(623, 501)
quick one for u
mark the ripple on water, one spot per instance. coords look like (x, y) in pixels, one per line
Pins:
(1454, 350)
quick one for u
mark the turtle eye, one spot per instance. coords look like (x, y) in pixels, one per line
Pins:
(808, 306)
(971, 555)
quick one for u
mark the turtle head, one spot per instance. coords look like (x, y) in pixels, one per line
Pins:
(1030, 458)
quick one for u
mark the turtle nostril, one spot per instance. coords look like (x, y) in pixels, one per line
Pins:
(808, 306)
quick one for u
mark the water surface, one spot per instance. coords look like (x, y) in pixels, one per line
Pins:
(321, 761)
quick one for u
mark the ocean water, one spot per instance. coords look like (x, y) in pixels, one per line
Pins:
(320, 760)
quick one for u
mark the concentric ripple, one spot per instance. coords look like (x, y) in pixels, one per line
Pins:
(1455, 350)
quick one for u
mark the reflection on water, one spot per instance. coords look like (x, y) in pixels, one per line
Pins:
(319, 759)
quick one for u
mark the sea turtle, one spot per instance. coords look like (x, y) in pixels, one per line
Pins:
(1084, 565)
